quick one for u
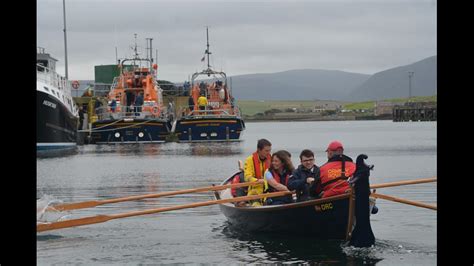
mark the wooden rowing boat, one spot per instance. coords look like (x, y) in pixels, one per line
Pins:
(326, 218)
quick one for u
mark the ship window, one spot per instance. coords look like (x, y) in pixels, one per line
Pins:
(46, 88)
(43, 63)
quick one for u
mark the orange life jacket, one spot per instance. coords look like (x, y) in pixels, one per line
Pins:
(256, 164)
(238, 178)
(334, 175)
(277, 178)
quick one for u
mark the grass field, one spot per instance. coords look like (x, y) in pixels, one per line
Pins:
(249, 107)
(252, 107)
(371, 104)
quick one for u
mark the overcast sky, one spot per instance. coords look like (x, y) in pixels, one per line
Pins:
(245, 36)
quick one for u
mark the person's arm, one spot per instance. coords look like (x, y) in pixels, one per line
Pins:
(249, 172)
(272, 182)
(315, 187)
(317, 175)
(296, 181)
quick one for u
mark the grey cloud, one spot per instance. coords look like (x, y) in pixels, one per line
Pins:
(246, 37)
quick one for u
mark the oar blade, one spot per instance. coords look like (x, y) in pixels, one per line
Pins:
(73, 222)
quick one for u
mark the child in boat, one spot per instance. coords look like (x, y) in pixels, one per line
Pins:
(304, 176)
(277, 176)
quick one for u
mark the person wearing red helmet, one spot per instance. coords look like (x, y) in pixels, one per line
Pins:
(335, 172)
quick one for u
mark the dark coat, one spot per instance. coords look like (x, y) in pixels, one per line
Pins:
(81, 114)
(139, 100)
(298, 180)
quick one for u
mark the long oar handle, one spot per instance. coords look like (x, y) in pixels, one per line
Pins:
(406, 182)
(400, 200)
(94, 203)
(105, 218)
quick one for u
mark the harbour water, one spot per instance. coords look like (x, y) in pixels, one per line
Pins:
(400, 151)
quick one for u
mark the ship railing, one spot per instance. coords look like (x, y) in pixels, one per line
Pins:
(105, 113)
(114, 83)
(220, 113)
(52, 78)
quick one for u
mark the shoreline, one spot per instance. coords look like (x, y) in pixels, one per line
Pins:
(305, 119)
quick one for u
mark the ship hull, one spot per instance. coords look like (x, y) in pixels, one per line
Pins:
(130, 131)
(56, 126)
(209, 129)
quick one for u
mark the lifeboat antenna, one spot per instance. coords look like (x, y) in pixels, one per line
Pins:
(207, 50)
(135, 48)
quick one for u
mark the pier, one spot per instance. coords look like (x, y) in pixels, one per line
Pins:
(415, 112)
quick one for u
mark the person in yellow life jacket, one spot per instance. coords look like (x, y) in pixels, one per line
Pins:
(202, 102)
(255, 167)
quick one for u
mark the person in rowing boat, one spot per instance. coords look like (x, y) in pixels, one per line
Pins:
(335, 172)
(255, 166)
(304, 176)
(277, 176)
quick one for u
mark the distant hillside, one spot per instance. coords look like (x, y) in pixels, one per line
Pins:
(394, 82)
(300, 84)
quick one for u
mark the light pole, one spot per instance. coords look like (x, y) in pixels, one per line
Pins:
(410, 74)
(65, 37)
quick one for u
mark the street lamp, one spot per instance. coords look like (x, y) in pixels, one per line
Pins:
(410, 74)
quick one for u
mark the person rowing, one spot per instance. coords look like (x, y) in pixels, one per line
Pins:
(335, 172)
(304, 176)
(255, 166)
(277, 176)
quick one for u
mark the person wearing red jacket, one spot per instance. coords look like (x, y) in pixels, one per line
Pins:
(335, 172)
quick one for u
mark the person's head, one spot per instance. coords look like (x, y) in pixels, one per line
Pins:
(307, 159)
(334, 148)
(281, 160)
(264, 148)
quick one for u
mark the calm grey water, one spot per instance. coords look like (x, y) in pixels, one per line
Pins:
(404, 234)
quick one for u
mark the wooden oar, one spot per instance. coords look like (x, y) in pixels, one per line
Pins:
(400, 200)
(105, 218)
(94, 203)
(406, 182)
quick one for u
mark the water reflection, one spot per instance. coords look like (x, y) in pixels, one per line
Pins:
(215, 148)
(291, 248)
(56, 153)
(148, 149)
(154, 149)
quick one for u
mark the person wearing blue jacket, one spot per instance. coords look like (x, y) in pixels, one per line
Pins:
(305, 176)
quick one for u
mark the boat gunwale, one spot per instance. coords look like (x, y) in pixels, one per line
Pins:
(282, 206)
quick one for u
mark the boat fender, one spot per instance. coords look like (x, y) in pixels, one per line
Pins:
(375, 210)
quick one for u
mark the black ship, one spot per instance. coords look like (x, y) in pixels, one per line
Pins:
(56, 113)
